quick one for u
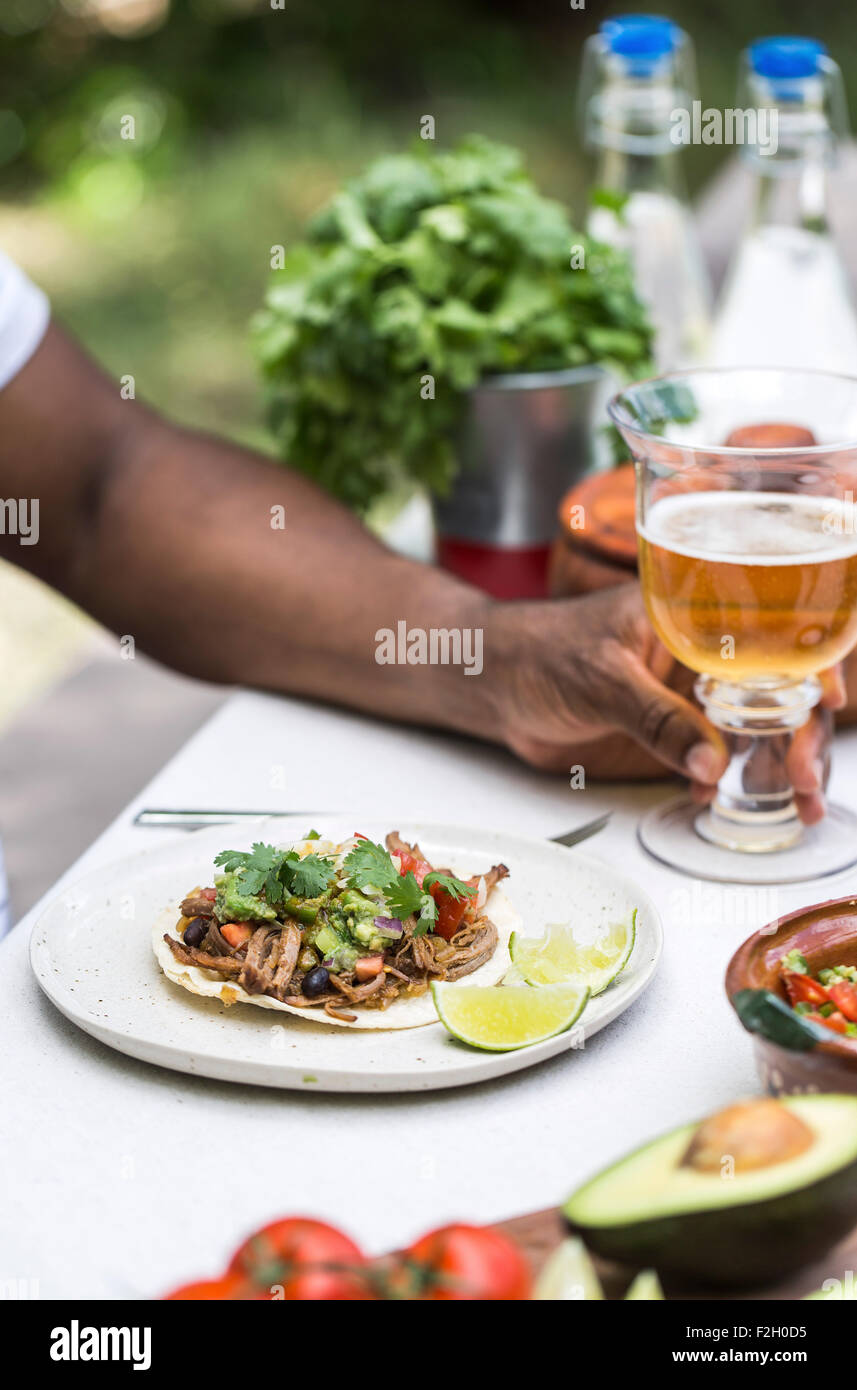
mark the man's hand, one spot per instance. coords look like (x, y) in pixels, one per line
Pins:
(589, 684)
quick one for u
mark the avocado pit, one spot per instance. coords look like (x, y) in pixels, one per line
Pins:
(752, 1133)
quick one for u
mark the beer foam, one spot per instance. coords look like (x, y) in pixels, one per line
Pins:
(753, 528)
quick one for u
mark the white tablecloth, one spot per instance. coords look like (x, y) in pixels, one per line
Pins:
(111, 1167)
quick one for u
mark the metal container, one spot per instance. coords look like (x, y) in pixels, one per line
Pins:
(524, 440)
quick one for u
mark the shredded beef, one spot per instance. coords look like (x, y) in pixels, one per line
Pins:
(190, 955)
(197, 906)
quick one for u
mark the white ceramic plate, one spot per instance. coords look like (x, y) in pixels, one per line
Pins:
(92, 955)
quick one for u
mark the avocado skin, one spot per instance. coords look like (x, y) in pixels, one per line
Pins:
(741, 1246)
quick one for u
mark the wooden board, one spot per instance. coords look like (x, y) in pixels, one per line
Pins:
(540, 1232)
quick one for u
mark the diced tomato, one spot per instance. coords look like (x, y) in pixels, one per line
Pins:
(836, 1022)
(411, 863)
(209, 893)
(450, 912)
(236, 933)
(803, 989)
(367, 967)
(844, 996)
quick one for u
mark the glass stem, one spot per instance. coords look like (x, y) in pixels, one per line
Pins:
(754, 809)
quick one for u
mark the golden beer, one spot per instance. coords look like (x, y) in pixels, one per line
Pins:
(750, 585)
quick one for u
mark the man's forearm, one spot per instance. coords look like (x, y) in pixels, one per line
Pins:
(235, 570)
(217, 561)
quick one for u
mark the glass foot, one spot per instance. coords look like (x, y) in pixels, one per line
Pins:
(675, 834)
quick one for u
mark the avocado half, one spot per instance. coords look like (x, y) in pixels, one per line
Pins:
(653, 1210)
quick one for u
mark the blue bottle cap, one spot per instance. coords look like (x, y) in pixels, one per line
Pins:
(641, 39)
(786, 58)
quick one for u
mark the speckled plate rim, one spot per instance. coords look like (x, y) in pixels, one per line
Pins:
(419, 1059)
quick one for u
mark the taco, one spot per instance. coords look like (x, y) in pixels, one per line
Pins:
(349, 934)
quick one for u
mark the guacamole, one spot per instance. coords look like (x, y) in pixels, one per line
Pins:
(232, 905)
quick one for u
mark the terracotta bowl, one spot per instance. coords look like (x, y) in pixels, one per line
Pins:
(597, 543)
(826, 935)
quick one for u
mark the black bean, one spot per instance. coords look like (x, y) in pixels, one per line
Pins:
(196, 931)
(316, 982)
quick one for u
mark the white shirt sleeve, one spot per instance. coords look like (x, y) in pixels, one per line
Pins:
(24, 315)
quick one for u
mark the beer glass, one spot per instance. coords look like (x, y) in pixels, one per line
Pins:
(747, 538)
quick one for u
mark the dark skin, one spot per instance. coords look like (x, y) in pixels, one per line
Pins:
(166, 535)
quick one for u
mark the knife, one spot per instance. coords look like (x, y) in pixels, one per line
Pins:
(198, 820)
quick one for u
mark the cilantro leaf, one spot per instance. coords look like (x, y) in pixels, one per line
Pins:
(428, 915)
(450, 884)
(369, 866)
(276, 872)
(258, 868)
(311, 875)
(403, 896)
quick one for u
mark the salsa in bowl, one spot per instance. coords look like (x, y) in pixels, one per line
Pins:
(793, 985)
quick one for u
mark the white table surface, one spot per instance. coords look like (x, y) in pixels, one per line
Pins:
(107, 1162)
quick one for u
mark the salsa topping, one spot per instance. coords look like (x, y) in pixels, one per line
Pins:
(829, 997)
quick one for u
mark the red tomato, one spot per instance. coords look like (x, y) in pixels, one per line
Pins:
(450, 912)
(209, 893)
(836, 1022)
(844, 996)
(297, 1259)
(410, 863)
(802, 989)
(231, 1286)
(467, 1263)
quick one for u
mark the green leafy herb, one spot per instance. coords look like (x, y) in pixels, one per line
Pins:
(450, 884)
(429, 272)
(309, 876)
(277, 872)
(259, 869)
(368, 865)
(404, 896)
(370, 868)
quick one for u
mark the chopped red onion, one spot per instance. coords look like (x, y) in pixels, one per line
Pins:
(388, 926)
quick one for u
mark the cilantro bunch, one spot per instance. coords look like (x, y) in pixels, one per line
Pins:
(281, 874)
(443, 265)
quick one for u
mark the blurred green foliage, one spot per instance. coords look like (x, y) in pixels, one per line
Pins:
(156, 250)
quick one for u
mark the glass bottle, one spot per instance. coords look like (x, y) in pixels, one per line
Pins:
(786, 301)
(638, 72)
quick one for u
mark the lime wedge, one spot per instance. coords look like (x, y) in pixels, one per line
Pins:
(568, 1274)
(499, 1020)
(559, 958)
(646, 1286)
